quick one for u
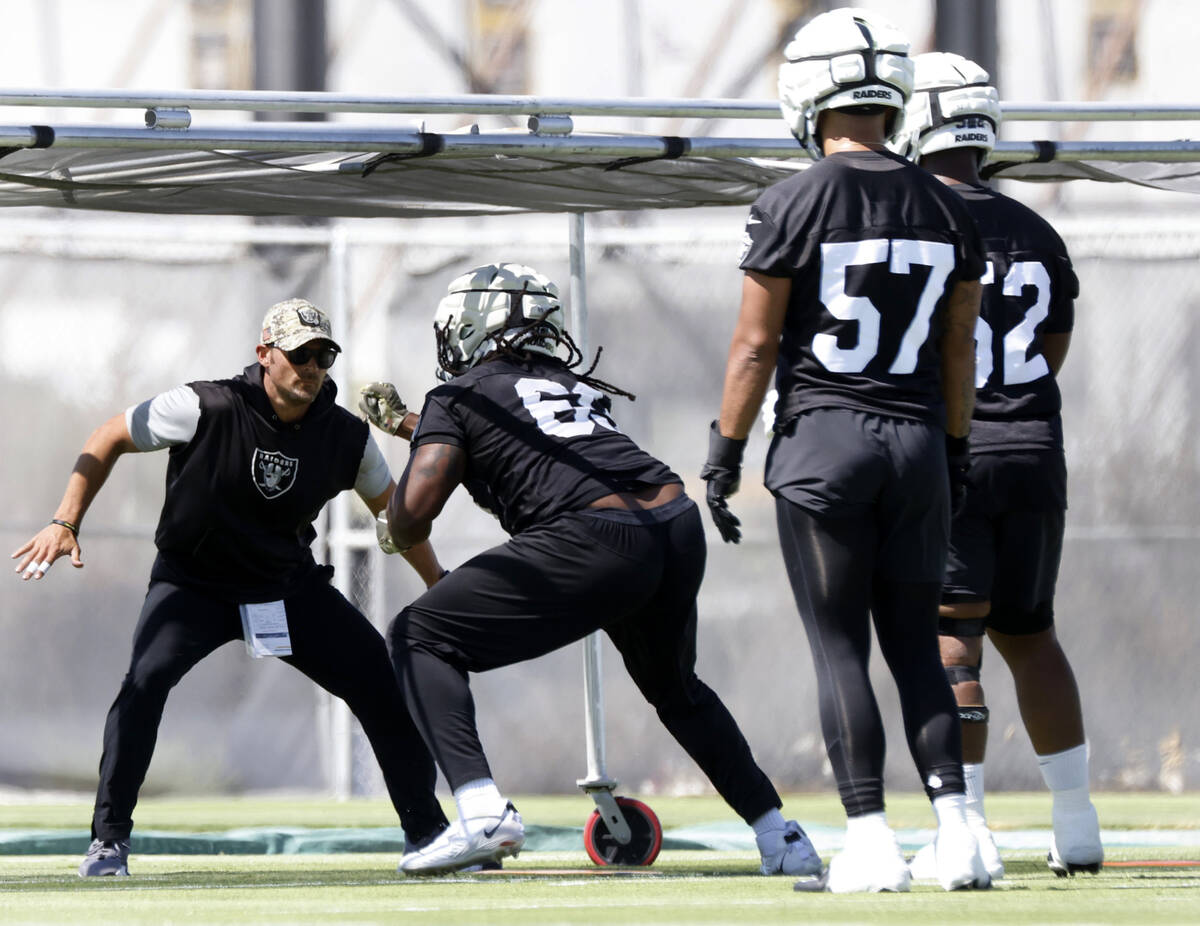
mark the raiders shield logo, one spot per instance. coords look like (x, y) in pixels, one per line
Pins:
(310, 317)
(273, 473)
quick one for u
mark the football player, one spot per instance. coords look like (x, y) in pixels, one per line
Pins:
(252, 460)
(860, 295)
(602, 537)
(1006, 544)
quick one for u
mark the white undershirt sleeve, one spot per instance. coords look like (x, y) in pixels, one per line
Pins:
(168, 419)
(373, 472)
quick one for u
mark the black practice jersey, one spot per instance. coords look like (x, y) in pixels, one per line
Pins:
(242, 494)
(873, 245)
(1029, 290)
(538, 440)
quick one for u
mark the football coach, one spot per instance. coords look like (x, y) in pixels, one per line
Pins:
(251, 462)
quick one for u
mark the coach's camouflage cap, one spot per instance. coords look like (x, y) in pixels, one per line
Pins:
(293, 322)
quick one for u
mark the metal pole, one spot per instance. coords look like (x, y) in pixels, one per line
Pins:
(579, 309)
(426, 104)
(593, 688)
(341, 733)
(598, 785)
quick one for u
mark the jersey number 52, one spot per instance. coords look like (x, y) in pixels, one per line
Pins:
(1018, 368)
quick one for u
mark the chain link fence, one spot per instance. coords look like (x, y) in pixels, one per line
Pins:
(97, 317)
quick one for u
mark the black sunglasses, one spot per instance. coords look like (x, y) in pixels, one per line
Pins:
(299, 356)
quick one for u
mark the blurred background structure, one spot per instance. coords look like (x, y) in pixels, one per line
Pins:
(100, 311)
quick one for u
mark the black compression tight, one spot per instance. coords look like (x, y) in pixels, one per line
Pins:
(831, 565)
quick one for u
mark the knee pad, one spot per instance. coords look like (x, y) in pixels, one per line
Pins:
(968, 713)
(962, 626)
(959, 674)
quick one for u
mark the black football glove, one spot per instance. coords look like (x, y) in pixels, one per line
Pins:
(723, 473)
(958, 461)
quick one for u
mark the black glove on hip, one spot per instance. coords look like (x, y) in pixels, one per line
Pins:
(958, 461)
(723, 473)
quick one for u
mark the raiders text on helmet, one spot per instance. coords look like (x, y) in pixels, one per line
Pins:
(952, 106)
(493, 303)
(841, 59)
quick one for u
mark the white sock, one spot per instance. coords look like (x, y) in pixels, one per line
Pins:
(1066, 775)
(973, 779)
(771, 820)
(479, 798)
(950, 809)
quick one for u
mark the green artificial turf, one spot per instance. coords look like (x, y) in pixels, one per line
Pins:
(1150, 885)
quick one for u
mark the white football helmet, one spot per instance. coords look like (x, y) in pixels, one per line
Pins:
(952, 106)
(842, 59)
(500, 301)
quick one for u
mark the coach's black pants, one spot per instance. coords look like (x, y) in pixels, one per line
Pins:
(332, 643)
(635, 576)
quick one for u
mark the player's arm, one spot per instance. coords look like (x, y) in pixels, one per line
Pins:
(421, 557)
(433, 473)
(92, 467)
(753, 351)
(958, 356)
(383, 407)
(1054, 349)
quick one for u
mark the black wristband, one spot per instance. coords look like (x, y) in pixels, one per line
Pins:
(957, 447)
(67, 524)
(724, 451)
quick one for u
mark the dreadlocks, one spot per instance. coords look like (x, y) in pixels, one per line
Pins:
(515, 343)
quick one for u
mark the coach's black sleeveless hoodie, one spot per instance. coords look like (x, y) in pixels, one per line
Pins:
(242, 494)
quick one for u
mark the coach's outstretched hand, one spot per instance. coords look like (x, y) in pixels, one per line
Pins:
(383, 407)
(723, 473)
(43, 548)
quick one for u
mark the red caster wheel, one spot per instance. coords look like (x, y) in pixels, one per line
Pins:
(645, 832)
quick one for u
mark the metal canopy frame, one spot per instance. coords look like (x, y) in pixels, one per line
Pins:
(515, 105)
(167, 118)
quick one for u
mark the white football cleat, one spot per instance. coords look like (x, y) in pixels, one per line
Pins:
(870, 862)
(923, 865)
(956, 856)
(993, 864)
(1075, 844)
(788, 852)
(468, 843)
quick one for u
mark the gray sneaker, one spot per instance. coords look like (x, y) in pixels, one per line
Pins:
(106, 858)
(788, 852)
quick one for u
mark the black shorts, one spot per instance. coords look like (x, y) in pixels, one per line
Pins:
(840, 463)
(634, 575)
(1006, 545)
